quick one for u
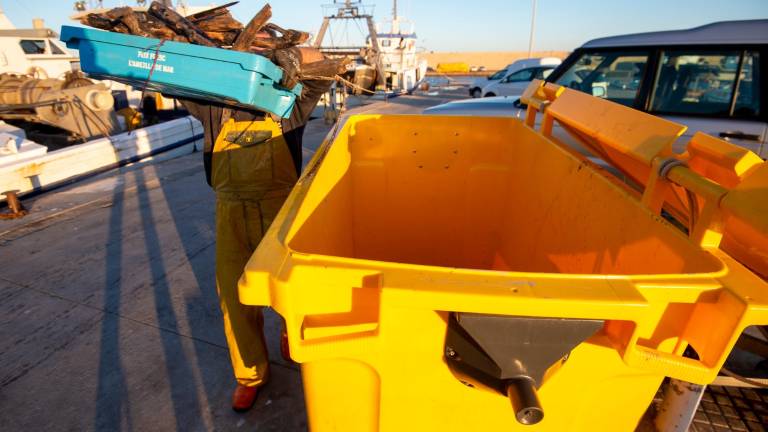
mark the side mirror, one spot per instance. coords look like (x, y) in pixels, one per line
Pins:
(598, 91)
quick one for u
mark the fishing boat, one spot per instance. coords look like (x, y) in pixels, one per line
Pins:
(57, 126)
(386, 61)
(403, 69)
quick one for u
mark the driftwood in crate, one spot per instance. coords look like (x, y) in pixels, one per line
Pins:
(179, 24)
(218, 24)
(126, 20)
(217, 28)
(251, 31)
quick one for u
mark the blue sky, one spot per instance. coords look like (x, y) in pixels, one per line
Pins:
(491, 25)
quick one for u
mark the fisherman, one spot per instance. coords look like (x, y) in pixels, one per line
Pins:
(252, 162)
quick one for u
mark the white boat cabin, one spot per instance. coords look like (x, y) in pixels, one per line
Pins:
(35, 51)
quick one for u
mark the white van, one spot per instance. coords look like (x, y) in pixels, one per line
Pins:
(476, 89)
(709, 78)
(516, 82)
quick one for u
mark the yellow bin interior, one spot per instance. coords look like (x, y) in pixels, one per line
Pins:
(479, 193)
(344, 264)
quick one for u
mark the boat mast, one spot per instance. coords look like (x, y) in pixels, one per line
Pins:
(395, 23)
(352, 11)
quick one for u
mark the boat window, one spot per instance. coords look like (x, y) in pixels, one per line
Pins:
(386, 42)
(32, 46)
(615, 75)
(520, 76)
(700, 82)
(55, 49)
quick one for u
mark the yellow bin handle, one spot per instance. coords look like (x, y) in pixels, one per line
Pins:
(682, 368)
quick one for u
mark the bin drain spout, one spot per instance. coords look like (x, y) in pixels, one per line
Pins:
(522, 393)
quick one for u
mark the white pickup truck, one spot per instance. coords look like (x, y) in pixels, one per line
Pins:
(709, 78)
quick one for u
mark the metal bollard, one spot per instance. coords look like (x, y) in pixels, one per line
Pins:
(679, 406)
(15, 208)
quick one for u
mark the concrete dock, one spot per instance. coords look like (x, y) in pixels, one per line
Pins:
(109, 318)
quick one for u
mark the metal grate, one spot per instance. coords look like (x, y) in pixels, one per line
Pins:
(725, 409)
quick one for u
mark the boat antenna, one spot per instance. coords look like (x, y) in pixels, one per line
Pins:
(394, 9)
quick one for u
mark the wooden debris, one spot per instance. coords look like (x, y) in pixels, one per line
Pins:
(211, 12)
(217, 27)
(289, 60)
(218, 24)
(324, 68)
(223, 39)
(249, 33)
(179, 24)
(288, 37)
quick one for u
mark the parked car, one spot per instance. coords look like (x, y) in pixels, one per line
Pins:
(708, 78)
(477, 86)
(516, 82)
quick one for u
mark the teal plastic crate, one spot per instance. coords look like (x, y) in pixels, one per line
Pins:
(185, 70)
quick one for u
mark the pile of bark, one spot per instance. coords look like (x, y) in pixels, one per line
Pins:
(217, 28)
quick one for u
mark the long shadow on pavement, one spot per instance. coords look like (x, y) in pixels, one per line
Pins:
(181, 380)
(112, 393)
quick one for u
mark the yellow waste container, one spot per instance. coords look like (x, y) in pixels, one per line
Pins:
(455, 67)
(475, 274)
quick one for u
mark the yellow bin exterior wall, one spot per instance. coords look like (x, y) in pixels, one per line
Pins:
(404, 385)
(370, 333)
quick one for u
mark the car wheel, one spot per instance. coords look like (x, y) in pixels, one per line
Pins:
(476, 92)
(490, 95)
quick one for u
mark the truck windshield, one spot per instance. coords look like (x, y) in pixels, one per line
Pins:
(610, 75)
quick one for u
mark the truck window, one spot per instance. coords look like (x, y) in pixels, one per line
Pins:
(615, 76)
(747, 102)
(498, 75)
(543, 73)
(32, 46)
(699, 82)
(520, 76)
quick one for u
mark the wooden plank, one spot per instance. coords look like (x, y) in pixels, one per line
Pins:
(251, 31)
(179, 24)
(211, 12)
